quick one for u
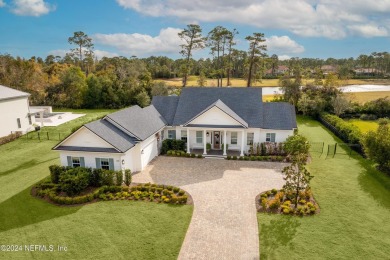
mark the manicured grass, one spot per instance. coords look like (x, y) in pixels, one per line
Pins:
(364, 125)
(363, 97)
(113, 229)
(354, 201)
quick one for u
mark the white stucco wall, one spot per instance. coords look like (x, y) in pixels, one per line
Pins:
(12, 109)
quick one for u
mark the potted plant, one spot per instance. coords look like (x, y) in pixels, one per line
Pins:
(208, 147)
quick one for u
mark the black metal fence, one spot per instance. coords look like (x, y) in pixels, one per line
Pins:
(356, 147)
(42, 136)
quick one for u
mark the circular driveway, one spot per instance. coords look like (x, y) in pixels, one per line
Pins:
(224, 223)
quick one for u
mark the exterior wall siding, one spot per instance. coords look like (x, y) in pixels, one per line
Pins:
(15, 108)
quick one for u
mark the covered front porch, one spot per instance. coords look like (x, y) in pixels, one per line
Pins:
(213, 152)
(215, 141)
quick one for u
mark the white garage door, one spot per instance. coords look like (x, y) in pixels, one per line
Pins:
(149, 152)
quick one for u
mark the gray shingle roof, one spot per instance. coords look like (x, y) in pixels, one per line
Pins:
(166, 106)
(279, 115)
(139, 122)
(87, 149)
(222, 106)
(112, 135)
(245, 102)
(10, 93)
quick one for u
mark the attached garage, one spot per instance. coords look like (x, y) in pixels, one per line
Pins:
(148, 152)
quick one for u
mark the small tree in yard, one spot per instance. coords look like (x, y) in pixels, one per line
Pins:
(297, 177)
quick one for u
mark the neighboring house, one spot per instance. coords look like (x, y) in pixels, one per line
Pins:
(281, 69)
(131, 138)
(15, 113)
(326, 69)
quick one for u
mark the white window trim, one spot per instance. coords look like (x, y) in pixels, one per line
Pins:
(75, 164)
(104, 165)
(199, 139)
(268, 137)
(234, 138)
(174, 137)
(250, 139)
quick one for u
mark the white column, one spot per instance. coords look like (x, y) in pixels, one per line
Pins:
(224, 142)
(188, 140)
(204, 142)
(242, 143)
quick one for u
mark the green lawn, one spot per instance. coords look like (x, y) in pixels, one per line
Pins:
(365, 125)
(114, 229)
(355, 207)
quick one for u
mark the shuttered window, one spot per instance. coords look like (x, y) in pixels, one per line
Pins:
(76, 161)
(105, 163)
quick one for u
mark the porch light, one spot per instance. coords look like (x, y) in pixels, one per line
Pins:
(207, 133)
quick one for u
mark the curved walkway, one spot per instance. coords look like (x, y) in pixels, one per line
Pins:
(224, 223)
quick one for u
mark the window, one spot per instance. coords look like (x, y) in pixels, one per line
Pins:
(199, 137)
(270, 137)
(76, 162)
(19, 124)
(105, 163)
(29, 119)
(233, 138)
(171, 134)
(249, 139)
(184, 135)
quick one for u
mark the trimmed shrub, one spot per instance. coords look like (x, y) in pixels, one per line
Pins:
(228, 157)
(234, 157)
(74, 180)
(193, 155)
(55, 172)
(172, 144)
(118, 178)
(200, 156)
(107, 177)
(241, 158)
(127, 177)
(95, 178)
(274, 191)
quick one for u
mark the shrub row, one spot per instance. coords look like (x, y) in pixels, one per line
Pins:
(267, 148)
(10, 138)
(74, 180)
(172, 144)
(183, 154)
(281, 202)
(347, 132)
(269, 158)
(150, 192)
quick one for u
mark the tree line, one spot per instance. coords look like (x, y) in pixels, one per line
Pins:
(80, 80)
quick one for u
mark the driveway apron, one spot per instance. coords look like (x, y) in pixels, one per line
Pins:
(224, 223)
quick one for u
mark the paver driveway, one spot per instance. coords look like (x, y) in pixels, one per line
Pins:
(224, 223)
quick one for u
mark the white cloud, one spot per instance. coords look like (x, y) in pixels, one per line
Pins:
(98, 53)
(368, 30)
(139, 44)
(2, 4)
(31, 7)
(283, 45)
(60, 53)
(284, 57)
(311, 18)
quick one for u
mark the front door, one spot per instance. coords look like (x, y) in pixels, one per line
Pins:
(217, 140)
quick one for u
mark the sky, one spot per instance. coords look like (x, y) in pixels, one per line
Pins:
(142, 28)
